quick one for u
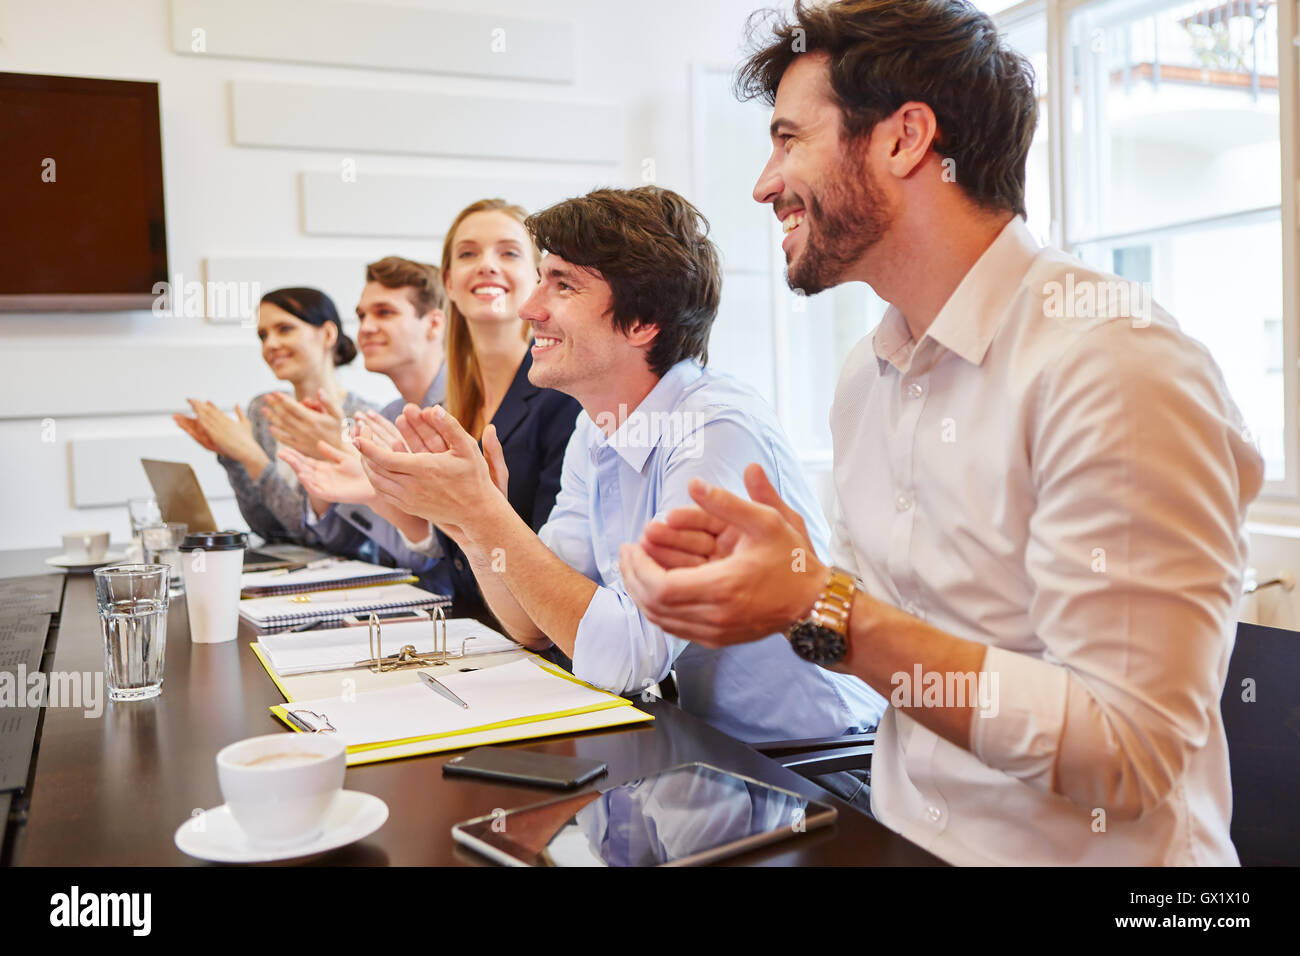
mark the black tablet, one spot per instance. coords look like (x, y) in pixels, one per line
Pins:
(688, 815)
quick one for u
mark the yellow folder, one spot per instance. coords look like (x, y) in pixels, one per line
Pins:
(611, 711)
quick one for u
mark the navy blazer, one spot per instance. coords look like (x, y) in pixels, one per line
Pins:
(533, 425)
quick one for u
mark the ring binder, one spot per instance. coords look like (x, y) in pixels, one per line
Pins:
(377, 663)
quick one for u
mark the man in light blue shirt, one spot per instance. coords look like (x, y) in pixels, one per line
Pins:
(695, 423)
(629, 290)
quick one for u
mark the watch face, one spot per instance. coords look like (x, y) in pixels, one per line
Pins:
(817, 644)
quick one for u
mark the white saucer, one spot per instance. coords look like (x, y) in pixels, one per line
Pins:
(216, 836)
(63, 561)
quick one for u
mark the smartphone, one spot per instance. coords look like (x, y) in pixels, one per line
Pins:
(525, 766)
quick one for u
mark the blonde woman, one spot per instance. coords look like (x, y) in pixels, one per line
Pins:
(489, 269)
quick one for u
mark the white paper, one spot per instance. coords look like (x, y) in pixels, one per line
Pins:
(342, 647)
(335, 571)
(494, 694)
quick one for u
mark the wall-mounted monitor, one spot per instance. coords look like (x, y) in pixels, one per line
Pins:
(81, 189)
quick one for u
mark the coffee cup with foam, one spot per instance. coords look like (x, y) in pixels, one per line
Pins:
(279, 787)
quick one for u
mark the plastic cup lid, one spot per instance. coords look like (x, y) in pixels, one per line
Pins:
(215, 541)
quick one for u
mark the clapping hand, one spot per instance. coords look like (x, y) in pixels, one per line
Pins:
(218, 432)
(335, 476)
(758, 575)
(444, 477)
(302, 426)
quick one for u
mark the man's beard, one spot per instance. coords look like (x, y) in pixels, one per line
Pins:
(852, 219)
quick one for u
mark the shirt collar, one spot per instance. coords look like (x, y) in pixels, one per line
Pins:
(973, 313)
(644, 427)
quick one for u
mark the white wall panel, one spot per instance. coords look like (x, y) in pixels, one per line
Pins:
(107, 471)
(376, 36)
(126, 377)
(383, 120)
(740, 343)
(417, 206)
(339, 277)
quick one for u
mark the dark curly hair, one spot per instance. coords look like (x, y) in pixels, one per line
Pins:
(653, 249)
(884, 53)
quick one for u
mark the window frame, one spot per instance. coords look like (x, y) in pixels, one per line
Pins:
(1280, 500)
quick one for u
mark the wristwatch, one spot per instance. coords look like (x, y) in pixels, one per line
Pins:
(822, 638)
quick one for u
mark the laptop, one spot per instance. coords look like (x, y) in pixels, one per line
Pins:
(176, 489)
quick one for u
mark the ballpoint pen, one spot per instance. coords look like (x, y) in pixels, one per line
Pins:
(434, 684)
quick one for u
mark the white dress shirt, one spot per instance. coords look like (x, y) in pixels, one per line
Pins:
(1070, 492)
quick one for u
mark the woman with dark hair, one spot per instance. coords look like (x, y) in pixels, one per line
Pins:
(302, 342)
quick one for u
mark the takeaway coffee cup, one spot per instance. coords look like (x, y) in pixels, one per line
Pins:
(280, 787)
(212, 562)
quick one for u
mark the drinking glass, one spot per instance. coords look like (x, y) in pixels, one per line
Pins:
(162, 544)
(144, 513)
(132, 602)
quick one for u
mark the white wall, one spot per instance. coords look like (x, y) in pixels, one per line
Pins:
(110, 375)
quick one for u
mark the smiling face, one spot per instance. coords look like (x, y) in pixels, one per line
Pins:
(576, 348)
(391, 334)
(295, 350)
(493, 268)
(830, 206)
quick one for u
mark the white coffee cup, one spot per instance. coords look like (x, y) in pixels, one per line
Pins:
(213, 563)
(280, 787)
(87, 546)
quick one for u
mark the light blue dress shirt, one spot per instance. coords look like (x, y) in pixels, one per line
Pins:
(695, 423)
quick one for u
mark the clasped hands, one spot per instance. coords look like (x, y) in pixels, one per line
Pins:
(726, 571)
(425, 465)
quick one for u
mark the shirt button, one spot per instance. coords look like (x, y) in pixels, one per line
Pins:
(460, 565)
(903, 502)
(916, 390)
(934, 813)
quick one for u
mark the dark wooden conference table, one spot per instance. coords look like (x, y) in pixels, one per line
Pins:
(112, 791)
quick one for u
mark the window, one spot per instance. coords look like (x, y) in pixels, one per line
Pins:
(1173, 177)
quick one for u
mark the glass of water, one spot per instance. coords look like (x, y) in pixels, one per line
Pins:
(143, 512)
(162, 544)
(133, 617)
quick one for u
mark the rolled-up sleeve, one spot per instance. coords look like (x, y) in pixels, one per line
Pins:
(567, 532)
(618, 649)
(1135, 552)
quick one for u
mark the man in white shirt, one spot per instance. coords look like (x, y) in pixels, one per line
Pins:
(1041, 483)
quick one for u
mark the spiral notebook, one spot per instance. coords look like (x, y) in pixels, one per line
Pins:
(325, 576)
(335, 605)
